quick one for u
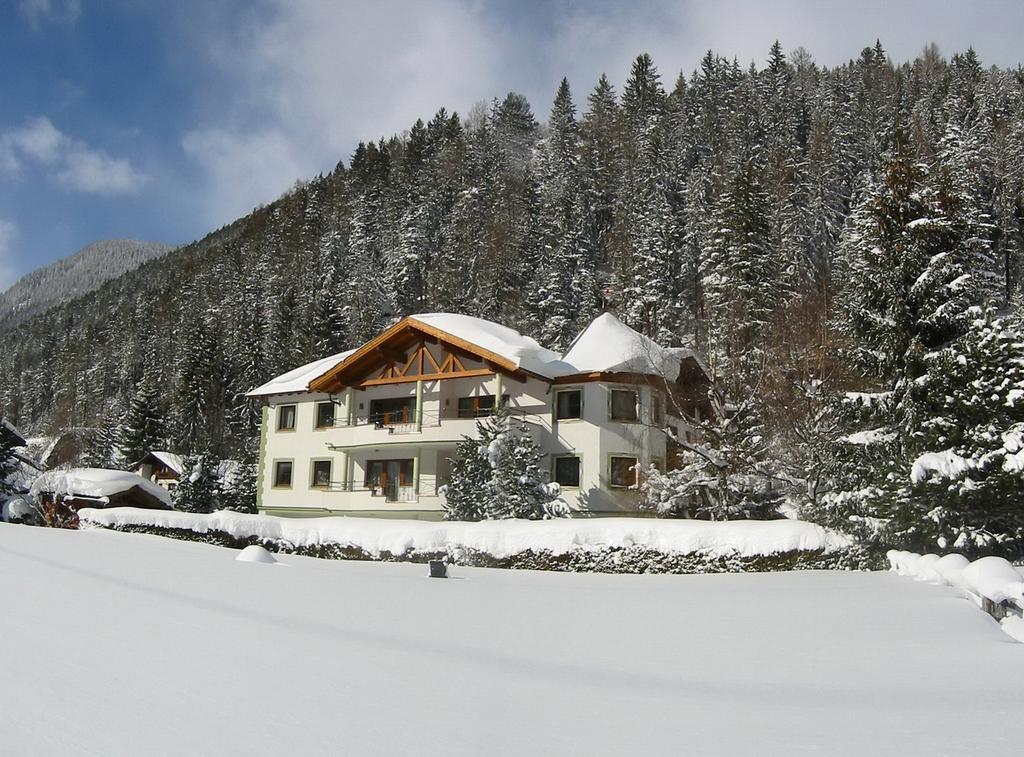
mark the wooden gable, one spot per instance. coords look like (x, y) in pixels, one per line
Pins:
(413, 351)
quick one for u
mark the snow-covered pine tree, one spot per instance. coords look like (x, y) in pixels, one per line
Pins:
(9, 464)
(497, 475)
(517, 488)
(144, 428)
(467, 492)
(562, 297)
(965, 443)
(726, 473)
(740, 279)
(199, 489)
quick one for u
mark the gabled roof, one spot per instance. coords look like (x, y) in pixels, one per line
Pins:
(500, 347)
(607, 345)
(167, 459)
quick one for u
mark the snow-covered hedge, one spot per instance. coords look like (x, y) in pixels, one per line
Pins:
(993, 583)
(618, 545)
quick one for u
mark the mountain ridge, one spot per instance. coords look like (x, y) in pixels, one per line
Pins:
(71, 277)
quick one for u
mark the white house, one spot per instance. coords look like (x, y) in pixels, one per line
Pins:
(372, 431)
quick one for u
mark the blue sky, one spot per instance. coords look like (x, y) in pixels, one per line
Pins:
(164, 120)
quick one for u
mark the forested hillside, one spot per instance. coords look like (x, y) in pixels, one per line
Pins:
(72, 277)
(821, 234)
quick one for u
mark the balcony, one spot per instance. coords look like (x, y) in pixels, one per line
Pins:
(389, 491)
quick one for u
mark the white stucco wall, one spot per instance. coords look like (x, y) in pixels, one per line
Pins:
(594, 438)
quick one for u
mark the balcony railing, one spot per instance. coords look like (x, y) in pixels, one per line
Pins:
(403, 422)
(394, 491)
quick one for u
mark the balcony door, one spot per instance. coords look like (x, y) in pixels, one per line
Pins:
(392, 478)
(393, 411)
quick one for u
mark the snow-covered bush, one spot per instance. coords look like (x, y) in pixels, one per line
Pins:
(498, 475)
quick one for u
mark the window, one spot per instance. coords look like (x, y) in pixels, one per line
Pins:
(623, 405)
(283, 473)
(321, 474)
(324, 414)
(568, 404)
(478, 407)
(623, 471)
(286, 418)
(567, 471)
(393, 410)
(657, 413)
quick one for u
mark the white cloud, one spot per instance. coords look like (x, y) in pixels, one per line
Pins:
(318, 77)
(38, 11)
(8, 233)
(74, 164)
(244, 170)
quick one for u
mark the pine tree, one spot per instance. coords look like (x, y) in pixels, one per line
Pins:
(9, 464)
(517, 489)
(466, 494)
(725, 474)
(198, 490)
(965, 436)
(143, 429)
(497, 475)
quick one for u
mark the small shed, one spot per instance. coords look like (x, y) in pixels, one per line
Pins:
(99, 487)
(162, 468)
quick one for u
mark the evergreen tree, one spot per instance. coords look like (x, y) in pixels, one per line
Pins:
(143, 428)
(497, 475)
(199, 489)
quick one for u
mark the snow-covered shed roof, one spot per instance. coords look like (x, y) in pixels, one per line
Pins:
(167, 459)
(297, 380)
(95, 483)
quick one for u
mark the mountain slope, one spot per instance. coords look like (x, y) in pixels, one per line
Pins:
(73, 276)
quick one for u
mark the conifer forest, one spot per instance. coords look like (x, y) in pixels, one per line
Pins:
(844, 246)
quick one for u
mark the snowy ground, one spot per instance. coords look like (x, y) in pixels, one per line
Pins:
(115, 643)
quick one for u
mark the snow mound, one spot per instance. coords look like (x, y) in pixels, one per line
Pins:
(256, 553)
(502, 538)
(995, 579)
(991, 578)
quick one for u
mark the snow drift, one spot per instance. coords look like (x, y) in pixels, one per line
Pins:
(987, 578)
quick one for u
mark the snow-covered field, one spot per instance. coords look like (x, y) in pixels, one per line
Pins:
(114, 643)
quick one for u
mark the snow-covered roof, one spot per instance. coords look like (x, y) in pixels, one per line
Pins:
(608, 345)
(523, 351)
(95, 483)
(297, 380)
(169, 459)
